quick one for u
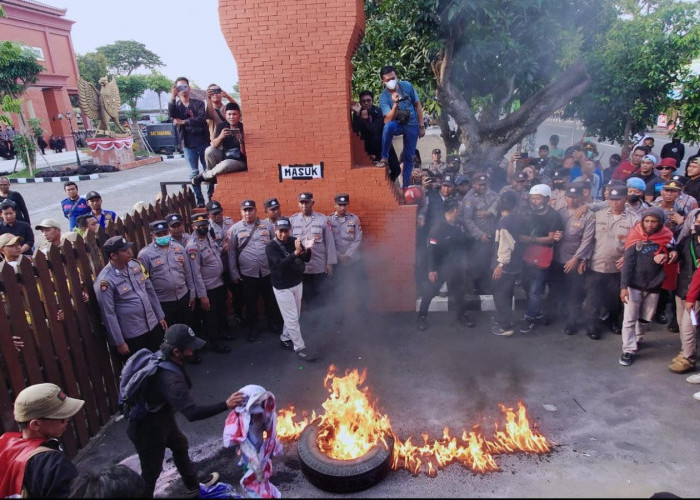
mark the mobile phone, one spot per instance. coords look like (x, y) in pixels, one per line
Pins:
(523, 154)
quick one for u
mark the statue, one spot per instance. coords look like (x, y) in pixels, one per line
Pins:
(102, 105)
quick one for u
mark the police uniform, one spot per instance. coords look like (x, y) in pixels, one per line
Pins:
(603, 279)
(567, 290)
(170, 272)
(174, 219)
(479, 216)
(271, 203)
(219, 231)
(130, 308)
(323, 253)
(523, 207)
(248, 263)
(347, 234)
(207, 270)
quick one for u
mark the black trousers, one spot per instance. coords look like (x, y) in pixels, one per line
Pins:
(456, 288)
(151, 436)
(503, 290)
(253, 289)
(212, 323)
(178, 311)
(237, 299)
(150, 340)
(480, 255)
(566, 293)
(603, 294)
(315, 290)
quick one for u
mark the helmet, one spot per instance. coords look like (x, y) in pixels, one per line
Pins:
(541, 189)
(413, 195)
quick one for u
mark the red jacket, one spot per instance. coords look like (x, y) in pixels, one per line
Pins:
(15, 451)
(624, 171)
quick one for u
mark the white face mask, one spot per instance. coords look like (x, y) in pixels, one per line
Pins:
(391, 84)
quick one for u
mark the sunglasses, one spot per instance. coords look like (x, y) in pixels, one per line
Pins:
(665, 168)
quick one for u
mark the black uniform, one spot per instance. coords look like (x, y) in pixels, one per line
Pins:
(447, 255)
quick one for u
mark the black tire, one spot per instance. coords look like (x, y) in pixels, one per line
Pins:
(342, 476)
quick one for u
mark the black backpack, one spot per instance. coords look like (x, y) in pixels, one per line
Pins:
(136, 378)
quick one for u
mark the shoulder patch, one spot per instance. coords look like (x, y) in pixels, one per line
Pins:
(104, 285)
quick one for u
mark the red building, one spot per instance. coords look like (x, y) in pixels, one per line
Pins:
(46, 31)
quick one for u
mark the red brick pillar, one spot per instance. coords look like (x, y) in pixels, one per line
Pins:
(294, 77)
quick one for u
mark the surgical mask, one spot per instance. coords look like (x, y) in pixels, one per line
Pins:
(163, 240)
(202, 230)
(391, 84)
(696, 228)
(633, 198)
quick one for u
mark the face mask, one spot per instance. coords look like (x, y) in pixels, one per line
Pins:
(202, 230)
(162, 240)
(540, 208)
(633, 198)
(391, 84)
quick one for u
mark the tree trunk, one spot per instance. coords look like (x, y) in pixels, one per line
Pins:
(452, 139)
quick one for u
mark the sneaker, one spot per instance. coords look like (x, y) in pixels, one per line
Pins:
(422, 323)
(527, 326)
(306, 355)
(467, 321)
(661, 319)
(208, 481)
(673, 327)
(681, 365)
(569, 330)
(693, 379)
(626, 359)
(287, 344)
(200, 204)
(197, 180)
(696, 396)
(383, 163)
(593, 334)
(496, 329)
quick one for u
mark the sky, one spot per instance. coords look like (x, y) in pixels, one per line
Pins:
(186, 35)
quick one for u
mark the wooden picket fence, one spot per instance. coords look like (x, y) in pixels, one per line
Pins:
(73, 352)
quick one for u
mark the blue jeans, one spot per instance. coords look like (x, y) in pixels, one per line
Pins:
(193, 157)
(410, 139)
(536, 279)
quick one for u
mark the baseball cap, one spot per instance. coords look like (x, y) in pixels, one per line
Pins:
(650, 158)
(448, 180)
(183, 337)
(477, 178)
(9, 239)
(247, 204)
(672, 185)
(158, 225)
(342, 199)
(306, 196)
(680, 180)
(437, 151)
(199, 218)
(283, 223)
(92, 194)
(45, 401)
(521, 176)
(115, 243)
(173, 219)
(617, 194)
(46, 223)
(574, 191)
(636, 183)
(214, 207)
(271, 203)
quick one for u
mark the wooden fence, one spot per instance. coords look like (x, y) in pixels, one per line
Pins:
(71, 352)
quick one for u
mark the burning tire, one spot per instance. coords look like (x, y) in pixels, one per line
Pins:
(342, 476)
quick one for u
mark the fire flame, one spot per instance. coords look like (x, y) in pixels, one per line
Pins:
(351, 426)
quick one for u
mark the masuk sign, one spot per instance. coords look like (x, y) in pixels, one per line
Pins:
(300, 172)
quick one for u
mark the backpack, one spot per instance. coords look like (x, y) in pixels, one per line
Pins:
(136, 379)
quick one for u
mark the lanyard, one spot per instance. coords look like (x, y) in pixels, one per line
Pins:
(692, 253)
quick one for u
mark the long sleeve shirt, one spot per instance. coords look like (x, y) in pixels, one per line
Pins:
(194, 132)
(286, 269)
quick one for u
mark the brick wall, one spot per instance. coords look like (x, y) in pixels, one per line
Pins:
(294, 77)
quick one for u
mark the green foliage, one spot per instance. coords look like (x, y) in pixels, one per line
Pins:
(159, 83)
(126, 56)
(18, 69)
(92, 66)
(644, 55)
(35, 127)
(26, 150)
(688, 108)
(399, 33)
(130, 89)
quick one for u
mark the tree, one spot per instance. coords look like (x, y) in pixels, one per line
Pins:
(130, 89)
(688, 110)
(92, 66)
(126, 56)
(646, 53)
(18, 70)
(159, 83)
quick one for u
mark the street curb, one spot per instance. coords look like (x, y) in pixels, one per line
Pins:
(173, 156)
(63, 178)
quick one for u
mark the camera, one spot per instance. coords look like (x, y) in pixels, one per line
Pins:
(181, 88)
(215, 90)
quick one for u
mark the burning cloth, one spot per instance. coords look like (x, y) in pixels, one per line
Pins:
(252, 428)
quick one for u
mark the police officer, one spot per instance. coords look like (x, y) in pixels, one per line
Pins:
(205, 257)
(273, 210)
(176, 227)
(347, 234)
(131, 312)
(479, 216)
(566, 281)
(248, 266)
(448, 242)
(521, 186)
(308, 225)
(171, 274)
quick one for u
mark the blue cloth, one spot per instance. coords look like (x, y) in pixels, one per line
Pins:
(410, 140)
(405, 89)
(74, 209)
(193, 156)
